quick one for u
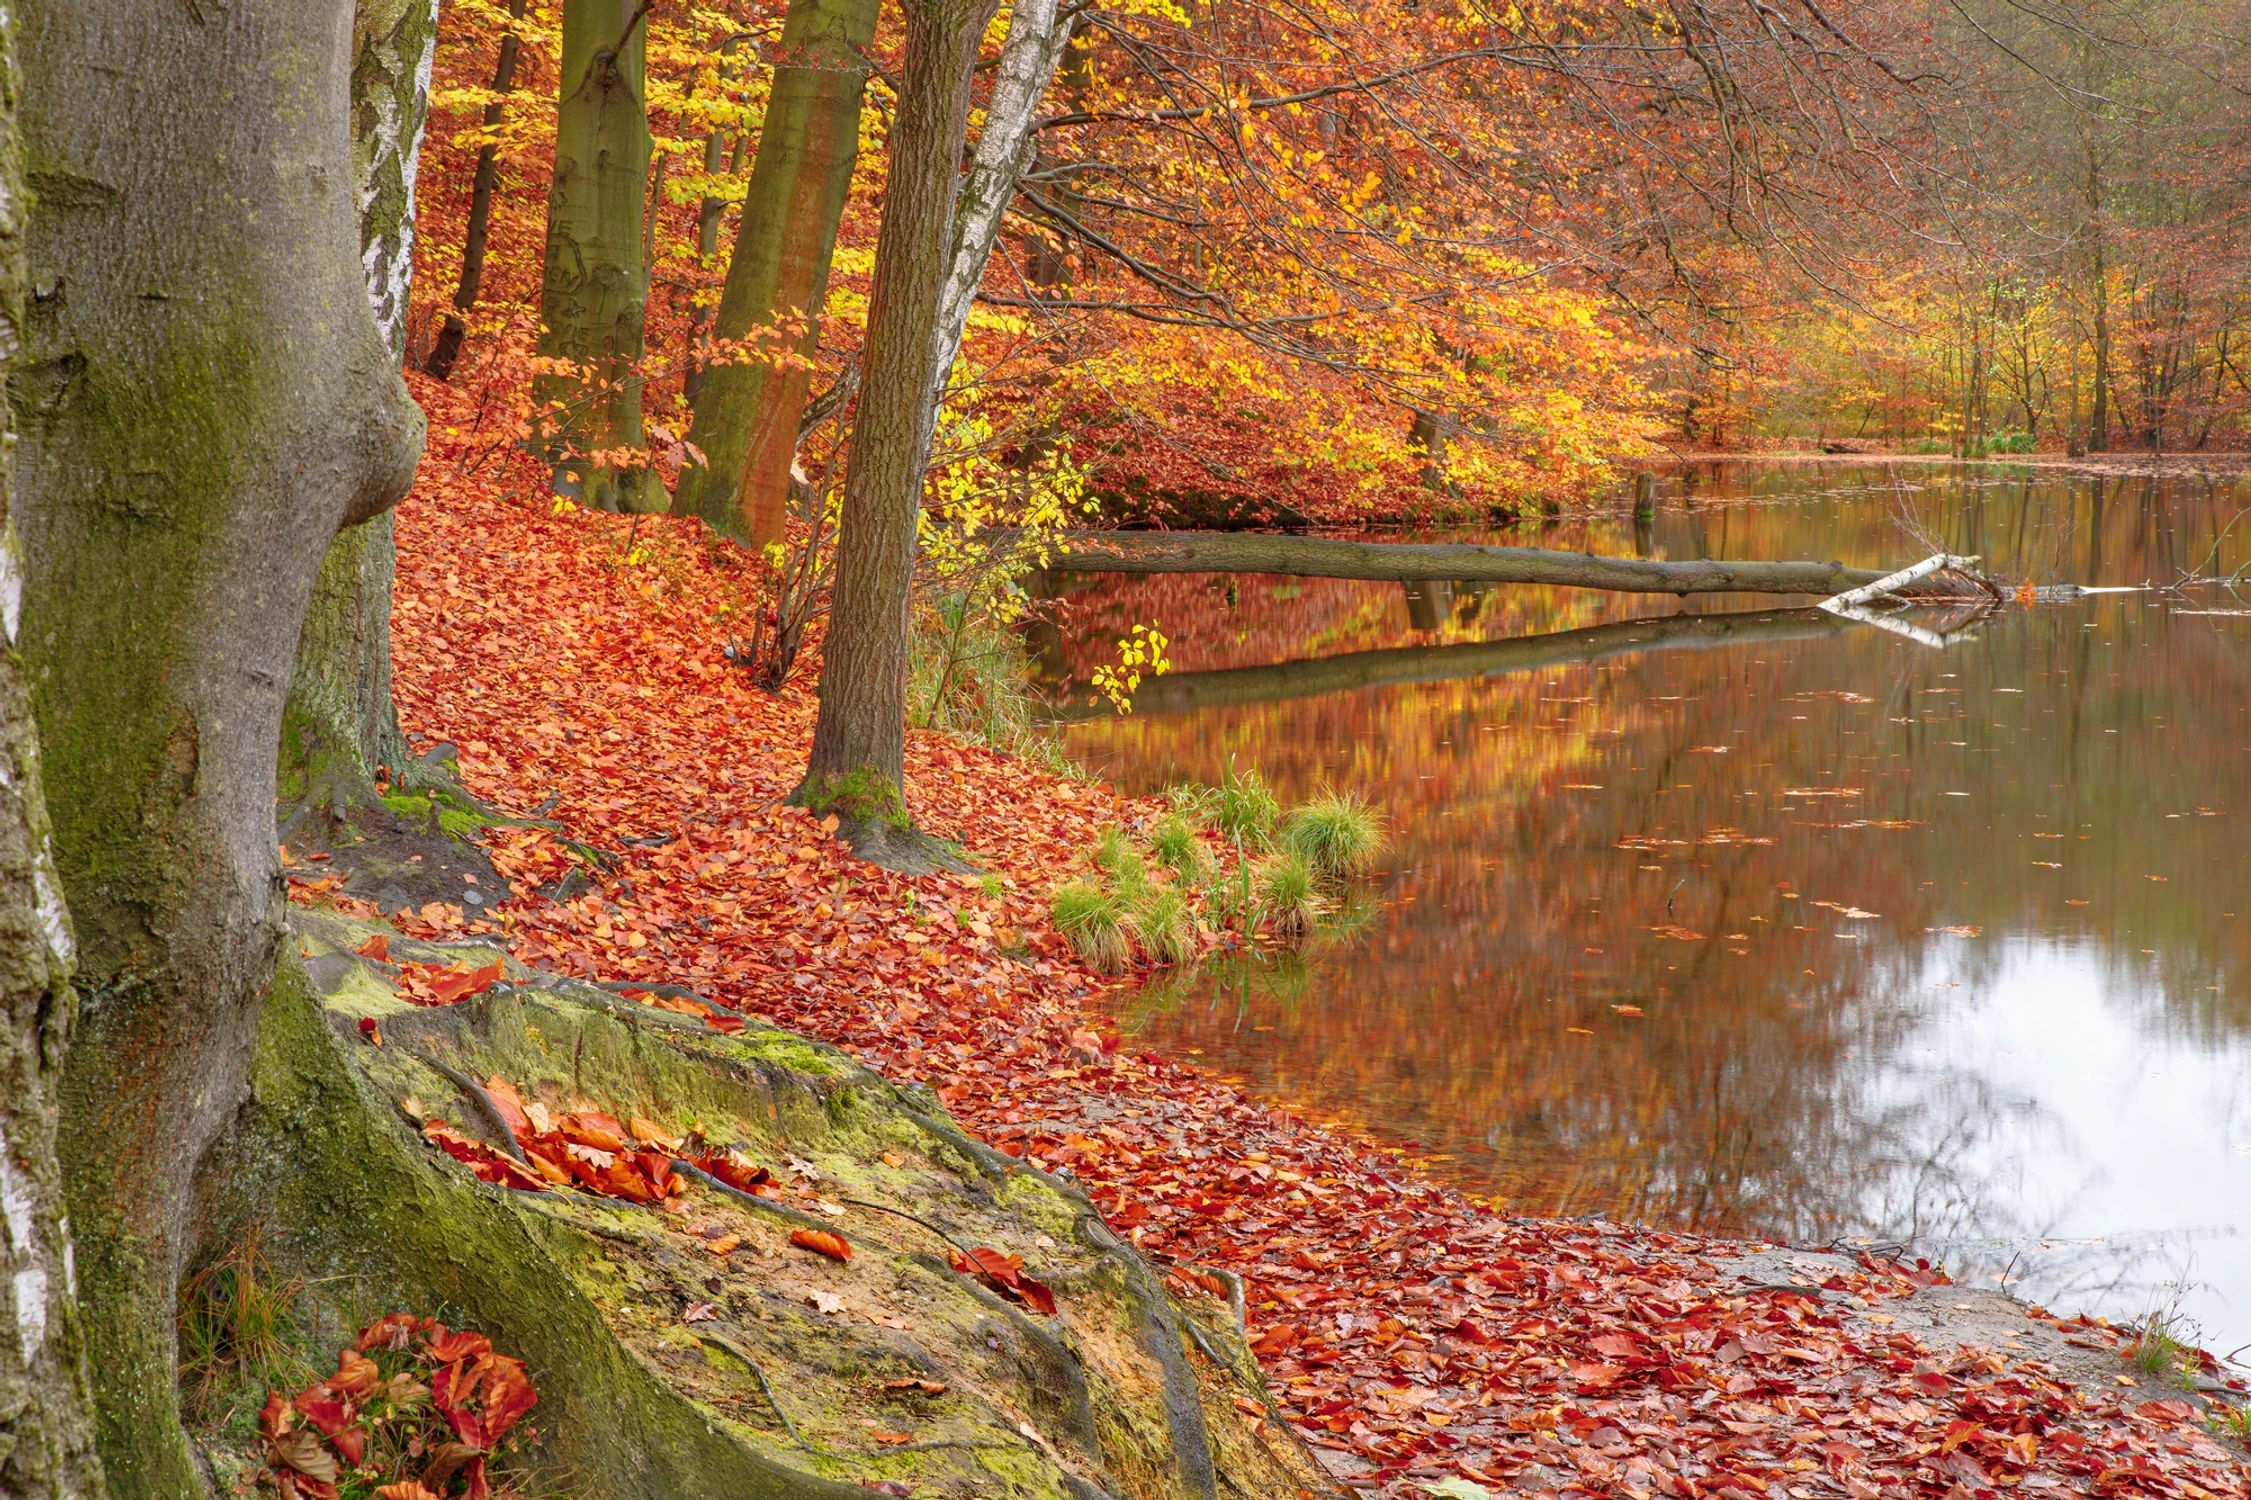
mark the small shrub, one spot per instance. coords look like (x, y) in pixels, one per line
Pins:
(1093, 920)
(1286, 895)
(1164, 926)
(1336, 834)
(1179, 847)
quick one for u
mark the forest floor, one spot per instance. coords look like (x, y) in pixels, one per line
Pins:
(1416, 1336)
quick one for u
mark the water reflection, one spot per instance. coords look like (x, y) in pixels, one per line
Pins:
(1772, 924)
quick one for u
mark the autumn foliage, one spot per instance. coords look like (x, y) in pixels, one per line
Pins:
(415, 1411)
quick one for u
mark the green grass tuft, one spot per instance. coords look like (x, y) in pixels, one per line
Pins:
(1336, 834)
(1093, 920)
(2158, 1350)
(1179, 846)
(1245, 808)
(1122, 862)
(1287, 896)
(1164, 926)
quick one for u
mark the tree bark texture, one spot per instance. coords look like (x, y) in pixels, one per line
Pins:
(1189, 692)
(746, 415)
(593, 296)
(206, 401)
(1323, 557)
(1036, 39)
(340, 707)
(447, 349)
(859, 740)
(46, 1427)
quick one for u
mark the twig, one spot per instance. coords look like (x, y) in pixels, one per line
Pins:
(903, 1214)
(752, 1200)
(478, 1096)
(721, 1341)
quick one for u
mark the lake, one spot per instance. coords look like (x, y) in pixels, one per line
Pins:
(1736, 917)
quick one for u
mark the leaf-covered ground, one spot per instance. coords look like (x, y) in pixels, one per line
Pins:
(1419, 1337)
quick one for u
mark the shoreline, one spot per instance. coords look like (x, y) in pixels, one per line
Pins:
(2112, 465)
(1410, 1333)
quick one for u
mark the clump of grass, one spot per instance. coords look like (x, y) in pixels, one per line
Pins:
(2157, 1350)
(1117, 858)
(1093, 919)
(235, 1331)
(1164, 926)
(1336, 834)
(1245, 808)
(2232, 1422)
(1178, 843)
(1286, 895)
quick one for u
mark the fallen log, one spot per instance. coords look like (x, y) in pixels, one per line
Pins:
(1186, 692)
(1329, 557)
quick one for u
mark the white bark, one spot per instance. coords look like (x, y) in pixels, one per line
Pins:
(1036, 38)
(1890, 583)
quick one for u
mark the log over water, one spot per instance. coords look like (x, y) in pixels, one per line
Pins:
(1185, 692)
(1327, 557)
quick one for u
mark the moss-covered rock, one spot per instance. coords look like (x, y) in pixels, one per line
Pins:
(797, 1375)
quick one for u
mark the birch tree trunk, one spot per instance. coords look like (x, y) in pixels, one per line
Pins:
(205, 402)
(857, 765)
(46, 1431)
(746, 415)
(1036, 39)
(594, 294)
(340, 724)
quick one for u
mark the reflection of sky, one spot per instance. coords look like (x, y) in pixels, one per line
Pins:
(2114, 1161)
(2051, 1099)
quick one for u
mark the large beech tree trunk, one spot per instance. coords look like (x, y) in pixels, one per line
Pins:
(747, 414)
(46, 1431)
(207, 402)
(857, 764)
(340, 724)
(1324, 557)
(594, 294)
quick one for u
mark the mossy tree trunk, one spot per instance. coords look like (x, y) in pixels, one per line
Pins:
(46, 1431)
(593, 296)
(747, 414)
(857, 765)
(340, 725)
(207, 402)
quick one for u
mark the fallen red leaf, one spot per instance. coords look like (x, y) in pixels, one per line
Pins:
(831, 1245)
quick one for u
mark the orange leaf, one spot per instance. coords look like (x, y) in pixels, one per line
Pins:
(831, 1245)
(377, 947)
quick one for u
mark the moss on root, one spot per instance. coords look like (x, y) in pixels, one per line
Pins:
(770, 1395)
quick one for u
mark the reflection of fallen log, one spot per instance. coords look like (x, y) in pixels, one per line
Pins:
(1328, 557)
(1184, 692)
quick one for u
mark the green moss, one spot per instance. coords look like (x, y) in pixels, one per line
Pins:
(865, 795)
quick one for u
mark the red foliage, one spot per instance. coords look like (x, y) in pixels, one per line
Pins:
(1411, 1329)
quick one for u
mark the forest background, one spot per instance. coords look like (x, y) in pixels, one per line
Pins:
(1339, 264)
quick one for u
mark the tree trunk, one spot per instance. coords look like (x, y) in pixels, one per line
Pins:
(594, 293)
(207, 402)
(45, 1402)
(447, 349)
(1323, 557)
(859, 741)
(340, 722)
(746, 417)
(2098, 435)
(1233, 687)
(1036, 39)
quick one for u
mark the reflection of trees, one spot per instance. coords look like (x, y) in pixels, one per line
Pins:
(1749, 1094)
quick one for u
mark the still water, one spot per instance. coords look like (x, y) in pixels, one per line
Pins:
(1739, 918)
